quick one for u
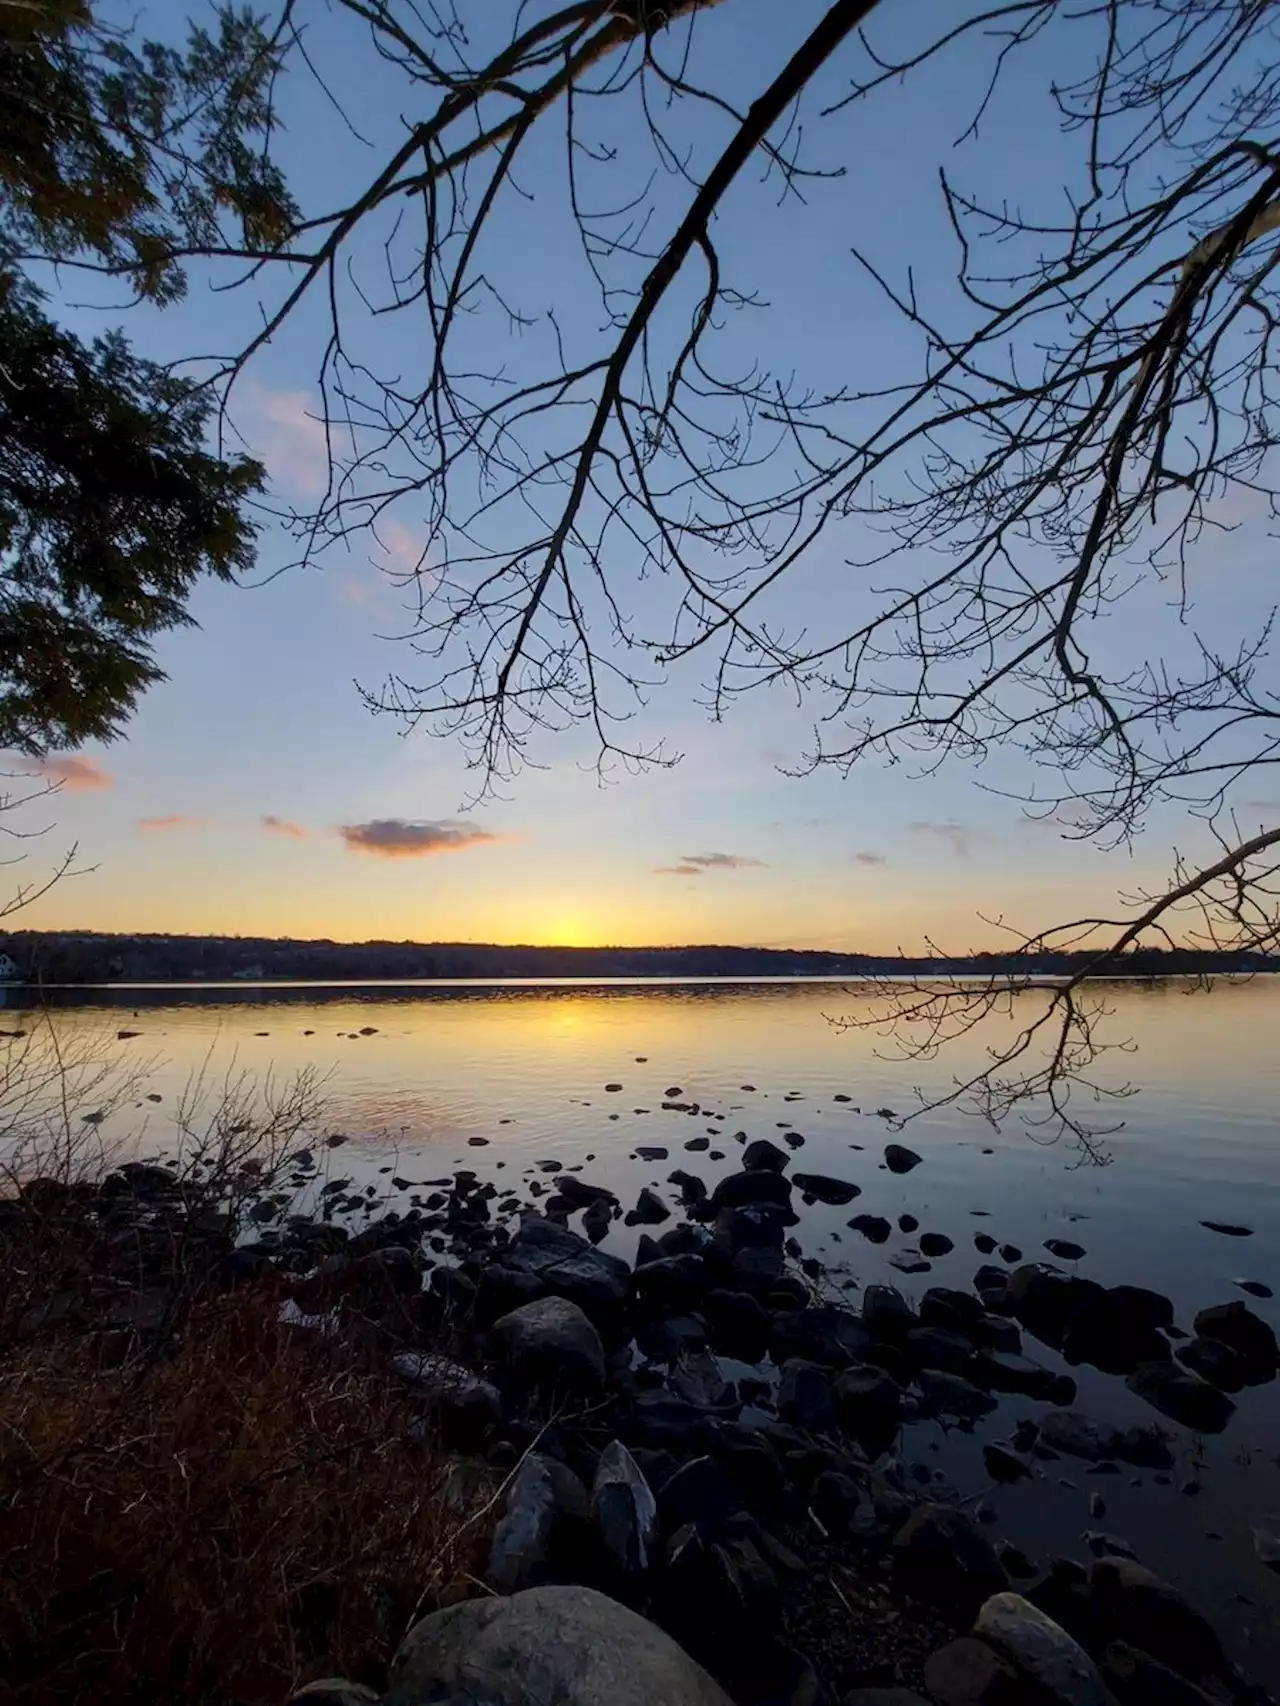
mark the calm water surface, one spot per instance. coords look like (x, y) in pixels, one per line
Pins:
(525, 1067)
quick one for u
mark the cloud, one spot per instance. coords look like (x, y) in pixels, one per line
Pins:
(281, 826)
(869, 858)
(1261, 805)
(76, 775)
(280, 428)
(698, 864)
(402, 838)
(960, 836)
(678, 871)
(175, 820)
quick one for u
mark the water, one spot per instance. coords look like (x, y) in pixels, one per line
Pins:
(525, 1068)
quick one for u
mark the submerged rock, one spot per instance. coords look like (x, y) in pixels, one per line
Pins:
(1244, 1332)
(1182, 1396)
(873, 1227)
(899, 1159)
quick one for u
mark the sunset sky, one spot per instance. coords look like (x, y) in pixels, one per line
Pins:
(254, 793)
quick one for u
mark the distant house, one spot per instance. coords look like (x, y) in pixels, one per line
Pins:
(8, 969)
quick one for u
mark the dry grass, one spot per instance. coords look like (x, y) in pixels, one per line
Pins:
(220, 1524)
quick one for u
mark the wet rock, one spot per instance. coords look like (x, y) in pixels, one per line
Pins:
(1117, 1329)
(581, 1193)
(886, 1313)
(699, 1379)
(1045, 1300)
(884, 1697)
(757, 1270)
(1107, 1545)
(764, 1157)
(624, 1511)
(696, 1145)
(1182, 1396)
(700, 1495)
(1064, 1249)
(868, 1402)
(942, 1555)
(1137, 1679)
(333, 1691)
(1135, 1605)
(1016, 1562)
(569, 1645)
(909, 1262)
(468, 1405)
(805, 1397)
(671, 1282)
(873, 1227)
(824, 1334)
(1227, 1229)
(1244, 1332)
(935, 1347)
(763, 1186)
(540, 1528)
(951, 1395)
(984, 1243)
(738, 1324)
(907, 1223)
(1255, 1288)
(1217, 1363)
(1010, 1253)
(550, 1339)
(692, 1189)
(826, 1189)
(650, 1210)
(1005, 1371)
(597, 1220)
(968, 1672)
(899, 1159)
(935, 1244)
(1042, 1652)
(1003, 1464)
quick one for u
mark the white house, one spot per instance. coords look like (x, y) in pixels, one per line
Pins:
(8, 969)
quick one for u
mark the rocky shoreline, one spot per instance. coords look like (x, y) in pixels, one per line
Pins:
(709, 1435)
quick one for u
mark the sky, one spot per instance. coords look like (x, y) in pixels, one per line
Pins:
(255, 793)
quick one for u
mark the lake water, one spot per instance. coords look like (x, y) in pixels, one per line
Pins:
(524, 1067)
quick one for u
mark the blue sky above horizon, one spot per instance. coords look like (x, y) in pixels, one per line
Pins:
(254, 793)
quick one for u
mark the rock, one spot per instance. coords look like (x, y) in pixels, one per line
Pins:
(696, 1145)
(985, 1244)
(1227, 1230)
(531, 1544)
(550, 1339)
(970, 1673)
(1133, 1604)
(951, 1395)
(698, 1494)
(1016, 1562)
(886, 1313)
(1004, 1371)
(935, 1244)
(1107, 1545)
(334, 1691)
(740, 1190)
(833, 1499)
(1064, 1249)
(692, 1189)
(1003, 1464)
(737, 1323)
(597, 1219)
(1041, 1651)
(581, 1193)
(899, 1159)
(943, 1555)
(1116, 1329)
(884, 1697)
(873, 1227)
(1078, 1435)
(867, 1401)
(672, 1282)
(805, 1397)
(569, 1645)
(1246, 1333)
(650, 1210)
(909, 1262)
(1212, 1361)
(567, 1265)
(1182, 1396)
(826, 1189)
(1139, 1680)
(1255, 1288)
(624, 1511)
(935, 1347)
(764, 1157)
(823, 1334)
(468, 1404)
(1045, 1299)
(699, 1379)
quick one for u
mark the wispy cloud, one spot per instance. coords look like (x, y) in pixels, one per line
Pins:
(869, 858)
(175, 820)
(403, 838)
(281, 428)
(76, 775)
(1260, 805)
(960, 836)
(697, 864)
(281, 826)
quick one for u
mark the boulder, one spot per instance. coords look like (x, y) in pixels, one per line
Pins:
(698, 1495)
(805, 1397)
(825, 1334)
(580, 1193)
(692, 1189)
(935, 1244)
(539, 1532)
(737, 1323)
(1115, 1330)
(672, 1282)
(624, 1512)
(1182, 1396)
(466, 1404)
(551, 1340)
(1057, 1667)
(884, 1697)
(1078, 1435)
(569, 1645)
(873, 1227)
(951, 1395)
(935, 1347)
(1139, 1680)
(942, 1555)
(1213, 1361)
(650, 1210)
(333, 1691)
(867, 1401)
(899, 1159)
(764, 1157)
(1044, 1299)
(1005, 1371)
(1133, 1604)
(824, 1188)
(886, 1313)
(968, 1672)
(738, 1190)
(1248, 1335)
(567, 1265)
(944, 1306)
(699, 1379)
